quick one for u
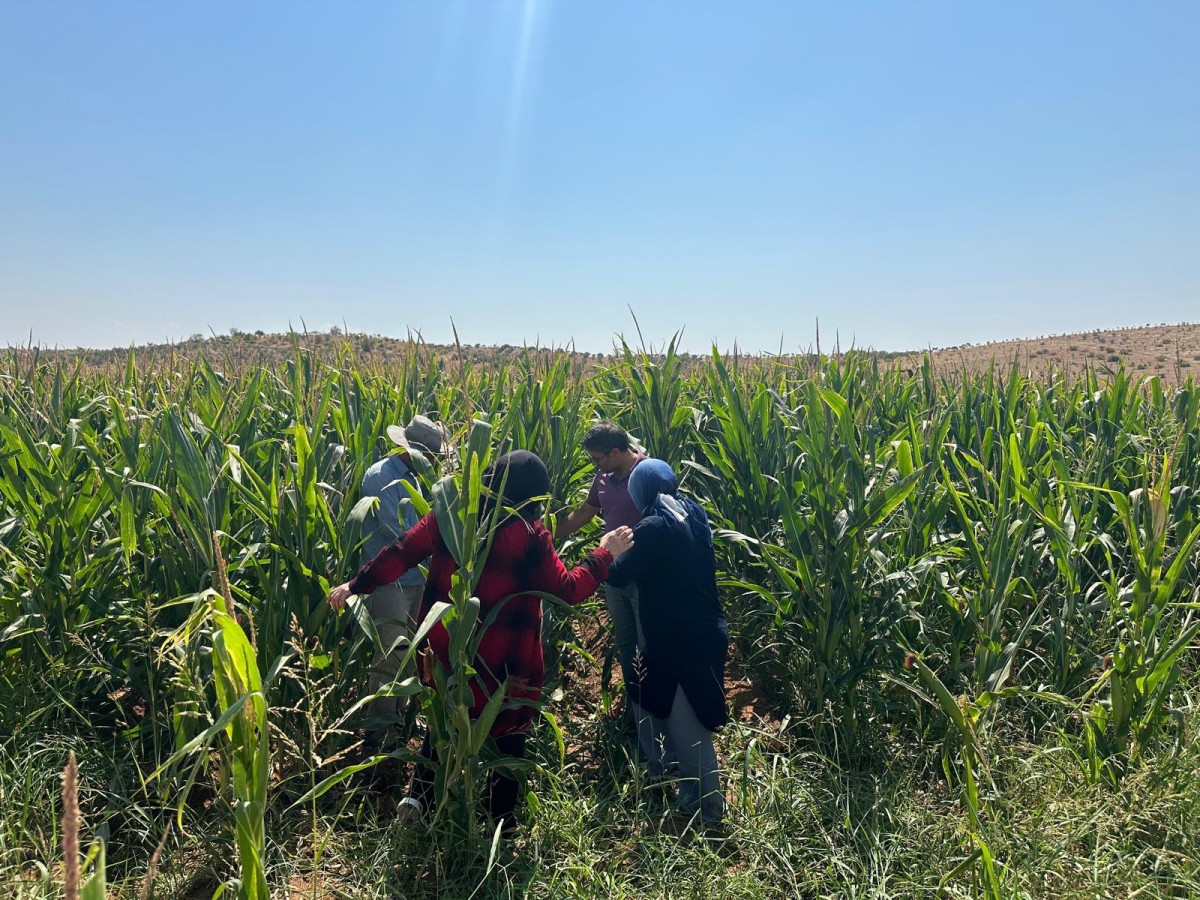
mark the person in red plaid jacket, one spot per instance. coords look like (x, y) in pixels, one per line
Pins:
(521, 560)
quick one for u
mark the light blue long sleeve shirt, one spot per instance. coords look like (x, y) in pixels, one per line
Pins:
(387, 522)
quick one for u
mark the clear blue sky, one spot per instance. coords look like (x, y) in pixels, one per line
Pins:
(908, 173)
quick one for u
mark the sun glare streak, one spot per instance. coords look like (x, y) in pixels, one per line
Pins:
(521, 86)
(519, 83)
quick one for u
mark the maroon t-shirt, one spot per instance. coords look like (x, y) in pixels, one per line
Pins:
(611, 496)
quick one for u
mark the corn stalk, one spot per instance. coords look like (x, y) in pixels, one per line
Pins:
(1154, 627)
(239, 731)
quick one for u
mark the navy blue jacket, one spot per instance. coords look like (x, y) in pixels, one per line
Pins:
(687, 638)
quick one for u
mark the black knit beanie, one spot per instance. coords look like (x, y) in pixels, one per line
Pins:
(523, 476)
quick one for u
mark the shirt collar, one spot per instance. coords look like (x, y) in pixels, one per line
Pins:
(615, 480)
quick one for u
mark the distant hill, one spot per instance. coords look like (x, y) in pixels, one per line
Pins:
(259, 348)
(1170, 351)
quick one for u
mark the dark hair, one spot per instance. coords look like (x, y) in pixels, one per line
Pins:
(523, 477)
(605, 437)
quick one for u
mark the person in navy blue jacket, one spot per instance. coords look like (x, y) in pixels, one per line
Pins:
(681, 675)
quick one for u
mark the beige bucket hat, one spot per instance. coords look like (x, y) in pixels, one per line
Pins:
(421, 434)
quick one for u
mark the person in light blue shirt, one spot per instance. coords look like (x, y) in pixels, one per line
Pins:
(394, 606)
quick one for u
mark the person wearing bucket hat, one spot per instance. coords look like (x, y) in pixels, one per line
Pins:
(521, 564)
(393, 606)
(421, 434)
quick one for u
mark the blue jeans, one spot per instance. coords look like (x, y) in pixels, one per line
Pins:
(653, 737)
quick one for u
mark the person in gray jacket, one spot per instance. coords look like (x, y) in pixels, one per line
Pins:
(394, 606)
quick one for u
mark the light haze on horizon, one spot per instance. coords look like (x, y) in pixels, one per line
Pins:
(909, 174)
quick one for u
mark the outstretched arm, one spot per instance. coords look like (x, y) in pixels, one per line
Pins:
(390, 563)
(577, 584)
(576, 519)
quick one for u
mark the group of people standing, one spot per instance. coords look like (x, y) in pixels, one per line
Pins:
(657, 564)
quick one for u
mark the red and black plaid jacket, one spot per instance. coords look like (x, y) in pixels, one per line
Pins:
(522, 558)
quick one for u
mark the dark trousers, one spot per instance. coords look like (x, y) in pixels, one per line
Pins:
(502, 788)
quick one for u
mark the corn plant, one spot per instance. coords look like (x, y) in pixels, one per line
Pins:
(1023, 534)
(457, 740)
(965, 717)
(546, 410)
(746, 443)
(239, 729)
(57, 517)
(1153, 617)
(994, 606)
(834, 521)
(646, 395)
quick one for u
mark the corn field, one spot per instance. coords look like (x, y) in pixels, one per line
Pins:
(930, 577)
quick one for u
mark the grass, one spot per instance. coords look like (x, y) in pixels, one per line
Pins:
(885, 823)
(801, 826)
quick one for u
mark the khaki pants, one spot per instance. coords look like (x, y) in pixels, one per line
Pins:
(393, 608)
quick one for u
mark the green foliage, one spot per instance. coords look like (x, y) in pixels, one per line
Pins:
(1032, 543)
(219, 655)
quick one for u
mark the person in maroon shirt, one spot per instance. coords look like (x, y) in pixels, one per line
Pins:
(615, 456)
(521, 560)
